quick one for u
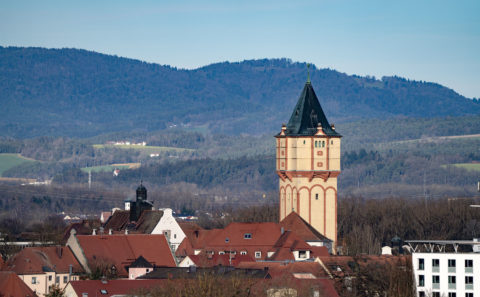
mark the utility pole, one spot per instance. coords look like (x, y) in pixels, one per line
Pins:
(89, 179)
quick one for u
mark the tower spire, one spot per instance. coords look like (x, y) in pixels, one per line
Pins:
(308, 73)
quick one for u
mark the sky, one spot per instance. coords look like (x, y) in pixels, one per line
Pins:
(437, 41)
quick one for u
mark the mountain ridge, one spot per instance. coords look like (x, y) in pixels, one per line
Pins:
(80, 93)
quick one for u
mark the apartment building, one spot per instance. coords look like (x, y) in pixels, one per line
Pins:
(449, 268)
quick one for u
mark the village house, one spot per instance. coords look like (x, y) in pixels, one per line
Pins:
(107, 288)
(42, 267)
(261, 241)
(119, 251)
(12, 286)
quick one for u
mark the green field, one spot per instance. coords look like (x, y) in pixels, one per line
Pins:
(468, 166)
(8, 161)
(147, 149)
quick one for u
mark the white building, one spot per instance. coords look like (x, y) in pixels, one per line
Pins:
(446, 268)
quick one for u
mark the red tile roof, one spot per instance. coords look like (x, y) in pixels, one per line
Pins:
(113, 287)
(319, 251)
(122, 249)
(302, 228)
(12, 286)
(308, 275)
(37, 260)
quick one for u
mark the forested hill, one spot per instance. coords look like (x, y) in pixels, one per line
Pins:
(80, 93)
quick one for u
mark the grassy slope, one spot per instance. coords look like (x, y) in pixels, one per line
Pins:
(8, 161)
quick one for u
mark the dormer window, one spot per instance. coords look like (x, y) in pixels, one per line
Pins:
(227, 240)
(247, 236)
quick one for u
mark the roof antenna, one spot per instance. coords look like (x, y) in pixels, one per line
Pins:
(308, 73)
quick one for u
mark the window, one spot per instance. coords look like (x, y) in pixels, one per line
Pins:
(247, 236)
(451, 263)
(34, 280)
(221, 253)
(421, 280)
(316, 143)
(469, 280)
(421, 264)
(243, 252)
(421, 294)
(227, 239)
(50, 278)
(452, 294)
(436, 279)
(304, 142)
(104, 292)
(316, 196)
(65, 279)
(302, 254)
(468, 263)
(258, 255)
(323, 143)
(452, 279)
(57, 279)
(148, 270)
(174, 235)
(84, 294)
(435, 263)
(436, 294)
(468, 294)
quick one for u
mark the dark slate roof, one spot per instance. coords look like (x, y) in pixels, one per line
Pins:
(307, 114)
(141, 262)
(120, 220)
(194, 272)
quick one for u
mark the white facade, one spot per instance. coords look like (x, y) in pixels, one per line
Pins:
(169, 227)
(447, 274)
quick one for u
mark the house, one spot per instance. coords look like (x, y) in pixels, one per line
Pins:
(42, 267)
(139, 217)
(139, 267)
(150, 222)
(107, 288)
(305, 231)
(261, 241)
(446, 267)
(12, 286)
(120, 250)
(297, 278)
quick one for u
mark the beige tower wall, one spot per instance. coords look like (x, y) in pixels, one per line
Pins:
(308, 167)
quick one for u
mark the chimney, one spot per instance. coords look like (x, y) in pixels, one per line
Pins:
(126, 231)
(110, 231)
(282, 230)
(94, 232)
(333, 127)
(196, 233)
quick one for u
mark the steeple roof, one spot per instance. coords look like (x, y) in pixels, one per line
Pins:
(306, 116)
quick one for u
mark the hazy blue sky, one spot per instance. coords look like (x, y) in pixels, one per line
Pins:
(424, 40)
